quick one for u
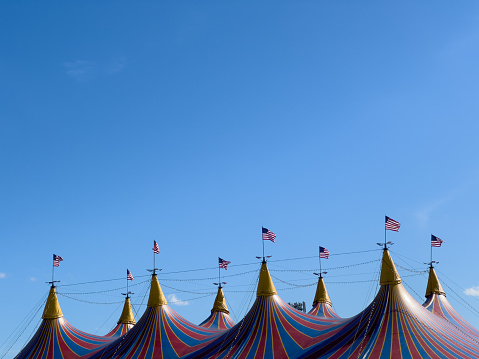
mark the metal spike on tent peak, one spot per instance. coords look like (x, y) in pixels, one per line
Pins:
(389, 274)
(265, 283)
(156, 298)
(52, 307)
(433, 285)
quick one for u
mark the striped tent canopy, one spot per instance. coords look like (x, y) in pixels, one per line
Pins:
(56, 338)
(272, 328)
(394, 325)
(160, 333)
(437, 303)
(220, 316)
(322, 306)
(126, 321)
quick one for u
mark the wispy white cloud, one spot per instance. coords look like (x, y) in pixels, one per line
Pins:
(116, 65)
(474, 291)
(84, 71)
(173, 299)
(80, 70)
(3, 275)
(423, 213)
(33, 279)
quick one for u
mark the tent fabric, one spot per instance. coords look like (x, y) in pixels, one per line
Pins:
(394, 325)
(119, 330)
(324, 310)
(160, 333)
(56, 338)
(219, 317)
(218, 320)
(322, 306)
(437, 303)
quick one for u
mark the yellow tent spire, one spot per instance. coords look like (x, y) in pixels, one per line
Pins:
(265, 284)
(433, 285)
(389, 274)
(52, 307)
(321, 293)
(157, 298)
(127, 316)
(220, 303)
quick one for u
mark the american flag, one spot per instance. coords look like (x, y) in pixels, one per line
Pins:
(129, 276)
(268, 235)
(392, 225)
(223, 263)
(436, 242)
(56, 260)
(156, 249)
(323, 253)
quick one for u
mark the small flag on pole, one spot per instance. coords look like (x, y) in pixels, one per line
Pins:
(436, 242)
(129, 276)
(223, 263)
(392, 225)
(268, 235)
(323, 253)
(56, 260)
(156, 248)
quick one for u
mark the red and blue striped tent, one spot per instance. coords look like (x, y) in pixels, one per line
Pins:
(56, 338)
(160, 333)
(437, 303)
(220, 316)
(322, 306)
(126, 321)
(272, 328)
(395, 325)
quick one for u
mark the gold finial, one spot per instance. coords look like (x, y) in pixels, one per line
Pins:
(52, 307)
(433, 285)
(127, 316)
(265, 284)
(157, 298)
(389, 274)
(321, 293)
(220, 303)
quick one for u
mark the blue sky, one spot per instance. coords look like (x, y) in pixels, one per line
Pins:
(196, 123)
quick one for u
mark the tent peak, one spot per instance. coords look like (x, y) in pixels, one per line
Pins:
(321, 293)
(156, 298)
(52, 307)
(433, 284)
(220, 302)
(389, 274)
(265, 283)
(127, 316)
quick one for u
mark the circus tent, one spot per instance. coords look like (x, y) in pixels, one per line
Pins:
(220, 316)
(322, 306)
(394, 325)
(272, 328)
(437, 303)
(126, 321)
(56, 338)
(160, 333)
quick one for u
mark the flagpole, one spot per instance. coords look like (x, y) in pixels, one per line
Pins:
(219, 272)
(154, 264)
(53, 272)
(262, 240)
(127, 283)
(385, 231)
(431, 256)
(320, 269)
